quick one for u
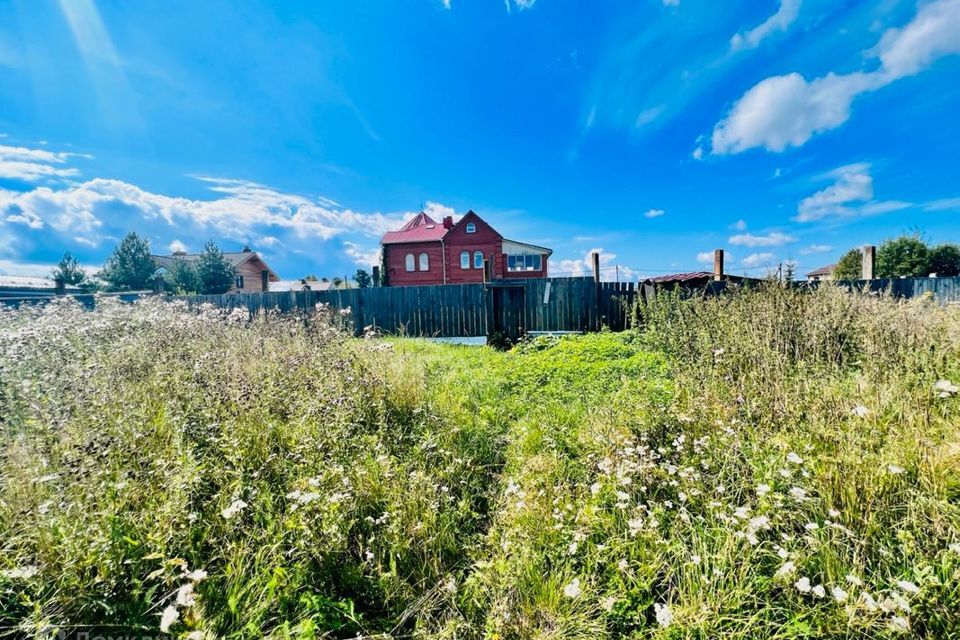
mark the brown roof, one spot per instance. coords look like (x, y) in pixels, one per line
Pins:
(681, 277)
(420, 228)
(234, 258)
(823, 271)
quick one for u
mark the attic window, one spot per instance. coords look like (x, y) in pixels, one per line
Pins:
(471, 228)
(431, 226)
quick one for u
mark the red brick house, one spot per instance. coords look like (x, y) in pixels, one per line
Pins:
(424, 251)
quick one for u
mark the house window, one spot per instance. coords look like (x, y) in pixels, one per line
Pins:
(525, 263)
(464, 259)
(238, 281)
(478, 259)
(471, 228)
(424, 262)
(410, 262)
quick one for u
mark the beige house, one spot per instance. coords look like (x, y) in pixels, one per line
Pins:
(250, 272)
(823, 273)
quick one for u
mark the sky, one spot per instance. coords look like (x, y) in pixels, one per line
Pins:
(652, 131)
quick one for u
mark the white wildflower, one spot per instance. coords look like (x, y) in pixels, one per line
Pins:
(195, 635)
(834, 513)
(167, 619)
(838, 594)
(955, 548)
(798, 494)
(573, 590)
(786, 569)
(635, 526)
(794, 458)
(196, 575)
(608, 603)
(854, 580)
(664, 614)
(860, 411)
(595, 488)
(899, 624)
(819, 591)
(945, 388)
(622, 565)
(185, 595)
(811, 526)
(20, 573)
(235, 507)
(908, 586)
(803, 585)
(572, 549)
(894, 469)
(868, 602)
(763, 489)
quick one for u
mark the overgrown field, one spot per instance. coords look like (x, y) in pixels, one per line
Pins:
(767, 464)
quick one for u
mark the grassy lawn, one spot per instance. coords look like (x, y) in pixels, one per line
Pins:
(768, 464)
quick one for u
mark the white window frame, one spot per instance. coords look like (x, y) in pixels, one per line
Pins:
(465, 260)
(410, 262)
(471, 228)
(478, 264)
(424, 262)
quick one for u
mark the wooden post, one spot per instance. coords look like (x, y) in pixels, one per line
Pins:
(264, 281)
(869, 262)
(595, 258)
(376, 275)
(59, 286)
(718, 265)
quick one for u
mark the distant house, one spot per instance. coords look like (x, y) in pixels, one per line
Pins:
(27, 286)
(823, 273)
(250, 272)
(424, 252)
(301, 285)
(692, 280)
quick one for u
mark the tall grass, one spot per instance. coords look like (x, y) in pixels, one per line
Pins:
(766, 464)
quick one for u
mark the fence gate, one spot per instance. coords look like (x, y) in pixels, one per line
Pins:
(507, 309)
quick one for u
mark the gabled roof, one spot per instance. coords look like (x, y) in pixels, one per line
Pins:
(234, 258)
(31, 282)
(681, 277)
(823, 271)
(420, 228)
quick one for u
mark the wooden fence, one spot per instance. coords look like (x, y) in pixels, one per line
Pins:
(510, 307)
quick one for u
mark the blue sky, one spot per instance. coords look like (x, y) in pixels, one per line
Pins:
(652, 130)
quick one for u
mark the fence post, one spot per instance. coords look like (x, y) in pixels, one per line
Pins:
(718, 265)
(595, 257)
(59, 286)
(869, 262)
(376, 275)
(265, 280)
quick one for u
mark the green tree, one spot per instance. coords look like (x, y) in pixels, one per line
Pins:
(68, 270)
(850, 266)
(214, 273)
(337, 281)
(182, 278)
(906, 256)
(130, 267)
(362, 279)
(945, 260)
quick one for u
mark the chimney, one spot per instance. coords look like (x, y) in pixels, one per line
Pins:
(447, 222)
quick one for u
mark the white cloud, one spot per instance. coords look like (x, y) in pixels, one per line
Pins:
(671, 3)
(773, 239)
(850, 195)
(446, 4)
(653, 213)
(647, 116)
(33, 165)
(783, 111)
(932, 34)
(364, 257)
(706, 257)
(519, 4)
(740, 225)
(697, 153)
(852, 184)
(177, 247)
(244, 209)
(439, 211)
(780, 21)
(815, 248)
(944, 204)
(756, 260)
(268, 241)
(584, 266)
